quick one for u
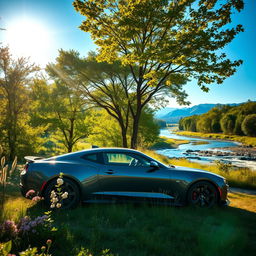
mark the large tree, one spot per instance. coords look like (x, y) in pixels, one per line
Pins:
(164, 43)
(102, 85)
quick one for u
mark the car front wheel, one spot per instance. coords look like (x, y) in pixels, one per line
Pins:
(202, 194)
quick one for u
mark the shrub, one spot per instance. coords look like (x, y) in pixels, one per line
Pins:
(249, 125)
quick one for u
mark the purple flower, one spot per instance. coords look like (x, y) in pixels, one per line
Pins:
(9, 228)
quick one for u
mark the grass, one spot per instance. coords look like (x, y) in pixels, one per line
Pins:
(242, 177)
(249, 141)
(164, 142)
(148, 230)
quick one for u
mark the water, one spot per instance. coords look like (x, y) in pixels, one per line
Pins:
(210, 145)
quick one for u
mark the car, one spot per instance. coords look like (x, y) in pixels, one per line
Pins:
(100, 174)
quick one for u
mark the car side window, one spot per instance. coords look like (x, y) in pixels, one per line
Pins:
(91, 157)
(125, 159)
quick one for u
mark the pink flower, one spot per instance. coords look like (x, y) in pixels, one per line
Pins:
(49, 241)
(36, 198)
(30, 193)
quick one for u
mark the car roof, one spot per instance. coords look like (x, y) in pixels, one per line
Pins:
(95, 150)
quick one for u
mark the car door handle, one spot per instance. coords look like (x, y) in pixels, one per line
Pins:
(110, 172)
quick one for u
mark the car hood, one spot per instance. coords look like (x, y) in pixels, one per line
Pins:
(187, 169)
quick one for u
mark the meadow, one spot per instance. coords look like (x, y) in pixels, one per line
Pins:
(147, 229)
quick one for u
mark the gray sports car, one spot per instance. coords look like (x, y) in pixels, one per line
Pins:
(117, 173)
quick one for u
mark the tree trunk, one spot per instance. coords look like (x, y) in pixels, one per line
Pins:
(135, 130)
(124, 138)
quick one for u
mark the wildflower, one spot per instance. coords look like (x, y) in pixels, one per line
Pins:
(53, 194)
(43, 248)
(54, 200)
(52, 206)
(60, 181)
(9, 227)
(58, 205)
(64, 195)
(30, 193)
(49, 241)
(36, 198)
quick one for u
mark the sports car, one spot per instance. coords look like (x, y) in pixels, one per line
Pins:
(102, 174)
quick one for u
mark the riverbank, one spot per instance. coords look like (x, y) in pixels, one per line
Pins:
(168, 143)
(245, 140)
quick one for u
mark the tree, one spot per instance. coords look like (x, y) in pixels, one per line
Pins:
(15, 77)
(105, 132)
(164, 43)
(227, 123)
(62, 109)
(103, 85)
(249, 125)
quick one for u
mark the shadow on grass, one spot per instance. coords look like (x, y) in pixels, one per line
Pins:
(149, 229)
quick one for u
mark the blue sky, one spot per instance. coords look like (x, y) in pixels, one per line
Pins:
(59, 22)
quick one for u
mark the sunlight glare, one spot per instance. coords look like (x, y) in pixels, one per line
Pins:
(28, 38)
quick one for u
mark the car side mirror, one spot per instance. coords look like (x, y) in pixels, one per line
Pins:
(154, 164)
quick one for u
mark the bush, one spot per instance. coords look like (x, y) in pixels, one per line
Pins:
(249, 125)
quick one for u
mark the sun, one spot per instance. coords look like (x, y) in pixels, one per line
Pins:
(29, 38)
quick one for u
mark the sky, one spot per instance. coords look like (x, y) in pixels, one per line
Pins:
(39, 28)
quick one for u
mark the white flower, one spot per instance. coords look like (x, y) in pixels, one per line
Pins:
(54, 200)
(64, 195)
(60, 181)
(53, 194)
(58, 205)
(52, 205)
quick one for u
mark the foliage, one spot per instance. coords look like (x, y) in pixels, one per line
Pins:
(226, 119)
(164, 43)
(62, 110)
(102, 85)
(15, 76)
(248, 141)
(5, 174)
(223, 167)
(164, 143)
(5, 249)
(249, 125)
(161, 123)
(105, 131)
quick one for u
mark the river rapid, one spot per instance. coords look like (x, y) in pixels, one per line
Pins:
(191, 149)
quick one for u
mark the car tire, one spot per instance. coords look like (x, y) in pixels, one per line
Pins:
(73, 199)
(202, 194)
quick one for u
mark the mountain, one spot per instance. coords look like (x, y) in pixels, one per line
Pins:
(176, 114)
(162, 112)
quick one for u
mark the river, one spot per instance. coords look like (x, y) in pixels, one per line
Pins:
(209, 144)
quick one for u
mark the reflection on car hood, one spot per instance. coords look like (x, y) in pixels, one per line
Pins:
(187, 169)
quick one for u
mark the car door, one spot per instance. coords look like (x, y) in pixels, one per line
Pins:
(128, 172)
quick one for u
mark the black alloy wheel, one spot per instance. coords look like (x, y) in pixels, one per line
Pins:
(73, 198)
(202, 194)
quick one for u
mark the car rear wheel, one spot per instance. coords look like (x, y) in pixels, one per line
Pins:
(202, 194)
(73, 194)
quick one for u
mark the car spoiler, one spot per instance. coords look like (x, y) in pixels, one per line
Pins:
(31, 159)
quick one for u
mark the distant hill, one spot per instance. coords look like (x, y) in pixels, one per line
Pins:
(175, 115)
(162, 112)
